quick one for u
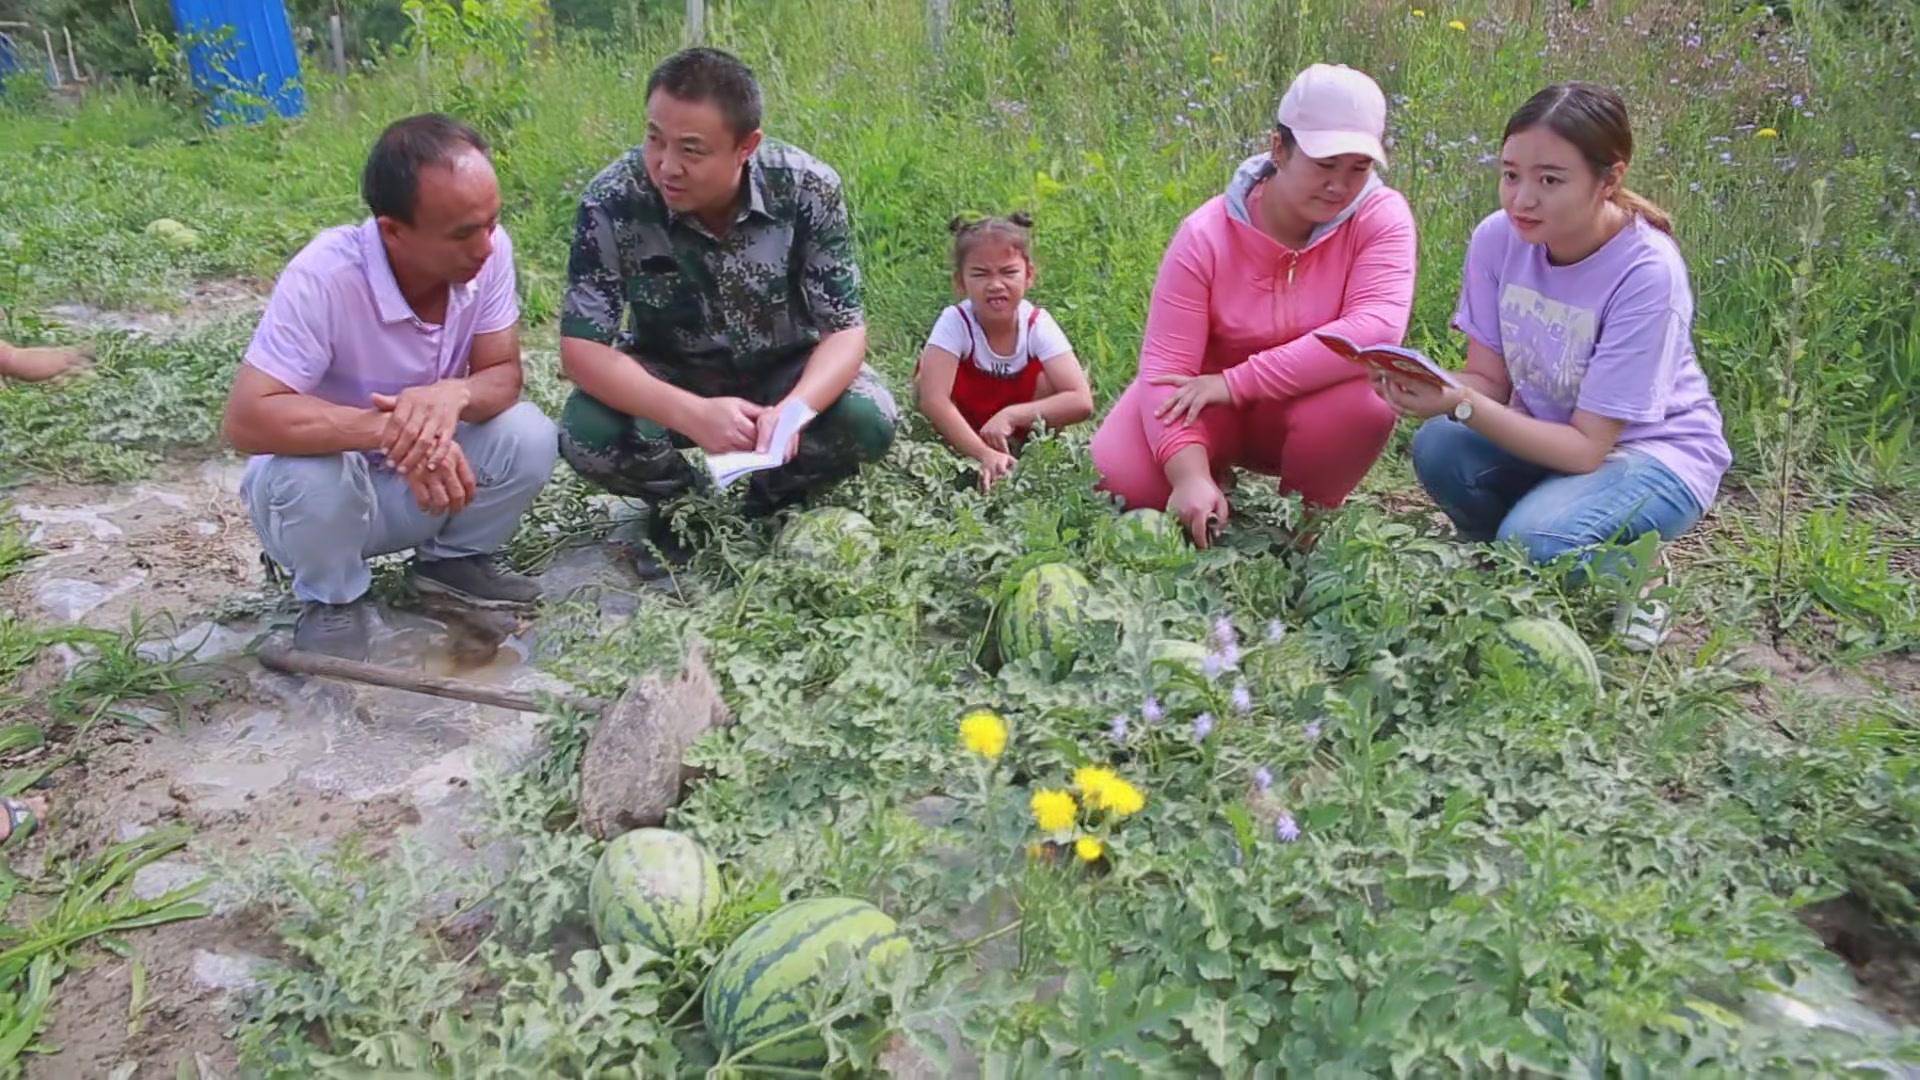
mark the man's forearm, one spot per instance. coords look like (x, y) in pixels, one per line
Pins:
(296, 424)
(834, 365)
(491, 391)
(614, 379)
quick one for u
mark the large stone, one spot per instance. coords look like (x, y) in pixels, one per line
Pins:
(632, 771)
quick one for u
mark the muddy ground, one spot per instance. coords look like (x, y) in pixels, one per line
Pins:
(252, 759)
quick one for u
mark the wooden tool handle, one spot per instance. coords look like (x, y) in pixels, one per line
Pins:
(295, 662)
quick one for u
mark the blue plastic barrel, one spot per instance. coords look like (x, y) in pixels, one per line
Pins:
(241, 53)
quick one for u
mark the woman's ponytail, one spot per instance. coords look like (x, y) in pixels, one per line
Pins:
(1637, 203)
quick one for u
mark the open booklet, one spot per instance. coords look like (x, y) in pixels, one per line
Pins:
(1407, 363)
(726, 468)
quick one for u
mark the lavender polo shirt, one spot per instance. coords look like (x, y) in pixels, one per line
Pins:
(1611, 334)
(337, 326)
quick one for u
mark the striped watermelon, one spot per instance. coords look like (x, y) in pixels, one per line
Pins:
(754, 990)
(1553, 646)
(1175, 653)
(1045, 613)
(1147, 539)
(831, 536)
(652, 887)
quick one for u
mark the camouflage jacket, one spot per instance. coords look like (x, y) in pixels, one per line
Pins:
(656, 283)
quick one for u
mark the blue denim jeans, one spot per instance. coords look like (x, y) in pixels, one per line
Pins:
(1493, 495)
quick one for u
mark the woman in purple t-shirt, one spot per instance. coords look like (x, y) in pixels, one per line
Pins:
(1583, 417)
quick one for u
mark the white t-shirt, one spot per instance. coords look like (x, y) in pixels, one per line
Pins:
(1040, 339)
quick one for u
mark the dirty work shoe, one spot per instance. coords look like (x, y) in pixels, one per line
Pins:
(673, 556)
(338, 630)
(476, 580)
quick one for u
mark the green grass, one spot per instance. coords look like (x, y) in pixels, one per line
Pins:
(1492, 874)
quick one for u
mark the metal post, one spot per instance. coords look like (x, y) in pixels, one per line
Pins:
(937, 11)
(339, 45)
(53, 63)
(72, 65)
(696, 21)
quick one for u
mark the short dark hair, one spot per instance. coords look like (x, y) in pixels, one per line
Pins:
(390, 184)
(703, 74)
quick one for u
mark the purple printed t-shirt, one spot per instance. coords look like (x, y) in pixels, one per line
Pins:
(337, 326)
(1611, 334)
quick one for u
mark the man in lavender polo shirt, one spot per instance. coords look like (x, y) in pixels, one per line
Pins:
(381, 394)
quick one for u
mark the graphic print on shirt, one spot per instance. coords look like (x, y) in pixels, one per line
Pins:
(1547, 344)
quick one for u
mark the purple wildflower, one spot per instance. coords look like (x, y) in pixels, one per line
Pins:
(1262, 778)
(1242, 699)
(1223, 632)
(1212, 666)
(1202, 726)
(1119, 729)
(1313, 730)
(1230, 656)
(1286, 829)
(1276, 630)
(1150, 710)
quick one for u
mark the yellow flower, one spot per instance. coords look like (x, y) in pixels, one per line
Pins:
(1053, 810)
(1418, 14)
(1766, 133)
(984, 733)
(1218, 58)
(1457, 25)
(1088, 848)
(1122, 798)
(1093, 780)
(1103, 789)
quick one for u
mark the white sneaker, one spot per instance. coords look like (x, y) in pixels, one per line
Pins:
(1641, 624)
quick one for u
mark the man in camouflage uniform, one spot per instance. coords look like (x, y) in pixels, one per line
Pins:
(729, 258)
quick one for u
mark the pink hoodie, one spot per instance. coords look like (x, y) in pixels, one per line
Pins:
(1231, 299)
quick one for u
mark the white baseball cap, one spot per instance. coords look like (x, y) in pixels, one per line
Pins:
(1333, 109)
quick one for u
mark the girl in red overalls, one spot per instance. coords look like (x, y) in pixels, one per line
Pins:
(994, 363)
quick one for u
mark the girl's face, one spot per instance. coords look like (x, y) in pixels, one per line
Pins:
(1317, 190)
(996, 278)
(1550, 192)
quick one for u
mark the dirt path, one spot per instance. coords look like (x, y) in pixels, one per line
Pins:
(257, 760)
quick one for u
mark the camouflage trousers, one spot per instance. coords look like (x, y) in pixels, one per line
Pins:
(640, 459)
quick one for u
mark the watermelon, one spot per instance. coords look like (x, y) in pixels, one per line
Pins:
(1045, 613)
(1151, 528)
(1148, 537)
(652, 887)
(1552, 646)
(1175, 654)
(755, 988)
(831, 536)
(173, 234)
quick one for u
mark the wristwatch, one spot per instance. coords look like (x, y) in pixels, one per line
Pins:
(1463, 409)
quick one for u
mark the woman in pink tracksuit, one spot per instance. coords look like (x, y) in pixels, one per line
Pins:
(1306, 237)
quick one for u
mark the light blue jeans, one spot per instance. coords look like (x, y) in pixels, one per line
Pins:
(322, 517)
(1493, 495)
